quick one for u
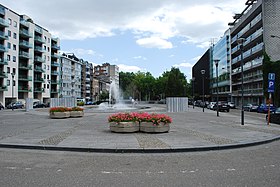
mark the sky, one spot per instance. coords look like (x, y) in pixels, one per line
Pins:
(137, 35)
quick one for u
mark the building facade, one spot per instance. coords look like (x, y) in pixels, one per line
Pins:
(26, 51)
(251, 37)
(222, 53)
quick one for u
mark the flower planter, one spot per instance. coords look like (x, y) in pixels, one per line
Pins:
(59, 115)
(124, 126)
(150, 127)
(76, 114)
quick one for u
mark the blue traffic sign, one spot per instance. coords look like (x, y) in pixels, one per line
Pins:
(271, 86)
(271, 76)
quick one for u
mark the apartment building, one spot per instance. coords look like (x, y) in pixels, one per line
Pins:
(88, 91)
(221, 53)
(70, 76)
(26, 51)
(251, 35)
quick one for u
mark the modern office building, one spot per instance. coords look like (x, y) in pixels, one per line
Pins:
(221, 53)
(26, 51)
(202, 64)
(251, 36)
(70, 76)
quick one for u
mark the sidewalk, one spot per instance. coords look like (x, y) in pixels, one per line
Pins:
(190, 131)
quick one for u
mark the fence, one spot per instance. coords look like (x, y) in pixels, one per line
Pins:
(66, 102)
(177, 104)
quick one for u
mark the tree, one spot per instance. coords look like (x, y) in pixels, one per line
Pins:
(176, 85)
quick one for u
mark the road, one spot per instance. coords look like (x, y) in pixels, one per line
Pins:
(253, 166)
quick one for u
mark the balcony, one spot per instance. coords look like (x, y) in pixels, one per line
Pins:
(25, 34)
(39, 79)
(56, 47)
(24, 89)
(3, 23)
(54, 73)
(24, 66)
(54, 91)
(24, 22)
(25, 44)
(3, 48)
(55, 82)
(54, 55)
(3, 36)
(248, 92)
(24, 78)
(2, 11)
(3, 74)
(39, 59)
(39, 90)
(3, 88)
(38, 29)
(39, 49)
(23, 54)
(39, 39)
(55, 64)
(39, 69)
(3, 61)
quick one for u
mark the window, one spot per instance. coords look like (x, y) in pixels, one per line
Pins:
(44, 76)
(15, 24)
(48, 49)
(49, 41)
(44, 66)
(9, 33)
(8, 69)
(10, 21)
(14, 70)
(14, 58)
(44, 85)
(9, 45)
(14, 83)
(48, 67)
(8, 57)
(15, 35)
(14, 47)
(48, 86)
(48, 58)
(48, 76)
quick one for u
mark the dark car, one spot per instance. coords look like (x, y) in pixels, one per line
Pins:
(15, 105)
(223, 106)
(263, 108)
(39, 104)
(251, 107)
(275, 116)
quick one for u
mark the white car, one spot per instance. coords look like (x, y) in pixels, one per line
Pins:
(211, 105)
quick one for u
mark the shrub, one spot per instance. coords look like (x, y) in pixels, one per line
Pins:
(59, 109)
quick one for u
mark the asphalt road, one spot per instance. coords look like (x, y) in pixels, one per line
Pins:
(253, 166)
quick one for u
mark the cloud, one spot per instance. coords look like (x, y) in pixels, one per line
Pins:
(140, 57)
(153, 23)
(184, 64)
(154, 42)
(127, 68)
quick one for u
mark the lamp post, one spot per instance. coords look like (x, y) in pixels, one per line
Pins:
(217, 64)
(193, 79)
(203, 72)
(240, 41)
(13, 76)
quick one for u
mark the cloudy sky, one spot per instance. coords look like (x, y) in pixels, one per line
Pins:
(136, 35)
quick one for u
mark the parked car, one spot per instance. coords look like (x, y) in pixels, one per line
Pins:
(274, 116)
(15, 105)
(211, 105)
(231, 105)
(251, 107)
(39, 104)
(1, 106)
(263, 108)
(223, 106)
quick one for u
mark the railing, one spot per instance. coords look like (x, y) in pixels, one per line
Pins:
(24, 89)
(3, 48)
(39, 79)
(3, 61)
(23, 66)
(25, 44)
(24, 54)
(39, 59)
(39, 39)
(3, 88)
(3, 74)
(4, 22)
(55, 64)
(39, 89)
(25, 78)
(25, 33)
(3, 35)
(39, 69)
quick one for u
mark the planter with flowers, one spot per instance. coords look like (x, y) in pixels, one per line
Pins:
(124, 122)
(155, 122)
(145, 122)
(76, 112)
(59, 112)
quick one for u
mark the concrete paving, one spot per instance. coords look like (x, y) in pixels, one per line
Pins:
(193, 130)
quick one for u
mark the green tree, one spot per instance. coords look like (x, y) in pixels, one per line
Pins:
(176, 85)
(126, 79)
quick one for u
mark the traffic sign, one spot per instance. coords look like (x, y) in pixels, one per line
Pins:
(271, 86)
(271, 76)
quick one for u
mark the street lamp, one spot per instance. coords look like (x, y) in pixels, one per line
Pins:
(13, 76)
(274, 36)
(217, 63)
(203, 72)
(193, 79)
(240, 41)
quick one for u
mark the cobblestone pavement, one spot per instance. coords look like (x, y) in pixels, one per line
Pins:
(190, 130)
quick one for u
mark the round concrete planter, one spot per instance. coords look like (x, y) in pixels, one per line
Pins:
(59, 115)
(150, 127)
(124, 126)
(76, 114)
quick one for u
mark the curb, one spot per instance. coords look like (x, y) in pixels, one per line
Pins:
(175, 150)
